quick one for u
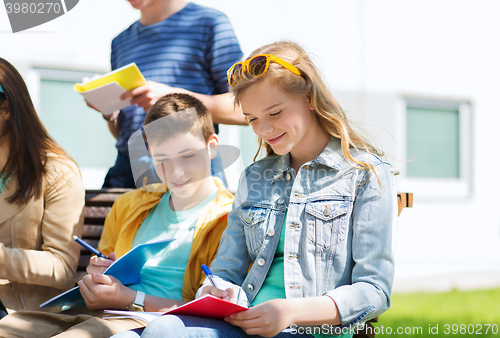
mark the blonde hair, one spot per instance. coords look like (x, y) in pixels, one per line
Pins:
(331, 116)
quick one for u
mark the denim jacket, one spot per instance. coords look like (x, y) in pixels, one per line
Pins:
(338, 232)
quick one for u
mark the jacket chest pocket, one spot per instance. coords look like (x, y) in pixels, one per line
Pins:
(327, 222)
(254, 219)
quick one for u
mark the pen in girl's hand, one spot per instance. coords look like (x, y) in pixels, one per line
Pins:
(209, 274)
(89, 247)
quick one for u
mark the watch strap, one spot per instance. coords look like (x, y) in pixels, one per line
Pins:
(138, 303)
(139, 298)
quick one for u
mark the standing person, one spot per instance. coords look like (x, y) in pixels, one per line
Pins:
(315, 216)
(41, 203)
(192, 210)
(179, 47)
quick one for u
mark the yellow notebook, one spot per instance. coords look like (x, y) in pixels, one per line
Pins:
(104, 92)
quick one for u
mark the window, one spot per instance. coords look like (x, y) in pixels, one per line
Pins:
(437, 146)
(78, 129)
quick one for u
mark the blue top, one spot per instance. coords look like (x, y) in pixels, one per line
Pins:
(191, 49)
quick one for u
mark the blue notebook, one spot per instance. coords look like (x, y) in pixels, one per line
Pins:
(127, 269)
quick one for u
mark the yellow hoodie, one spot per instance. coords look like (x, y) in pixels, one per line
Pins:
(130, 210)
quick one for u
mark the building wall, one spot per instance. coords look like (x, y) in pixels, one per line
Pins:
(372, 54)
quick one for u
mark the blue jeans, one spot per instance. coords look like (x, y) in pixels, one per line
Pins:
(195, 327)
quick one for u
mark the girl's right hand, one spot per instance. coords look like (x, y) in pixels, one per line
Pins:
(228, 294)
(99, 265)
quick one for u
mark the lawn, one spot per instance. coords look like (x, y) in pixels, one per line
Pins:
(449, 314)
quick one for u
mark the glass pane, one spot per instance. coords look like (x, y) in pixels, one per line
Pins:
(80, 130)
(432, 143)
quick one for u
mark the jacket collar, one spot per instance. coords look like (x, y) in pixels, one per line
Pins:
(331, 157)
(283, 168)
(217, 208)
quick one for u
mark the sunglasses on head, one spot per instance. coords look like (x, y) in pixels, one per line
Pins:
(255, 67)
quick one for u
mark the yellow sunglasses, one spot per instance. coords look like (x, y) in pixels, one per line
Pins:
(255, 67)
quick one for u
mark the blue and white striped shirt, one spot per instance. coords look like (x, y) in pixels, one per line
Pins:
(191, 49)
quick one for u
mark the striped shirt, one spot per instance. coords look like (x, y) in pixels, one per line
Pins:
(191, 49)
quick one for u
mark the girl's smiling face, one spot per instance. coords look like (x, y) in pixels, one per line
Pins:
(287, 123)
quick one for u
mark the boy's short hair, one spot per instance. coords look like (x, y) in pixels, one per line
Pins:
(171, 104)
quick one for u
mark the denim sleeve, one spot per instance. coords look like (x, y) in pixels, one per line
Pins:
(231, 264)
(373, 218)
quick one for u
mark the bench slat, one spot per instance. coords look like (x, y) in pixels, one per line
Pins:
(91, 231)
(96, 212)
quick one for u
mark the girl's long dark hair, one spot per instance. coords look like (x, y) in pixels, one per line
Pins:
(29, 142)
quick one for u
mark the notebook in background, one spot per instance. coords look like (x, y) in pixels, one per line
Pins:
(104, 92)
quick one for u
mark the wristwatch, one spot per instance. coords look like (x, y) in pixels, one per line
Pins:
(113, 117)
(138, 304)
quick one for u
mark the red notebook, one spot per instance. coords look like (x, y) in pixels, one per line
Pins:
(207, 306)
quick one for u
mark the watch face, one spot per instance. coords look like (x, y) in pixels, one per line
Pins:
(135, 307)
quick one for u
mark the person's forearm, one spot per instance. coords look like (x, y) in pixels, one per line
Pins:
(315, 311)
(159, 304)
(114, 128)
(151, 303)
(222, 109)
(221, 106)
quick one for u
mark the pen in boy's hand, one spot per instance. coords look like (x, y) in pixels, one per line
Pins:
(209, 274)
(89, 247)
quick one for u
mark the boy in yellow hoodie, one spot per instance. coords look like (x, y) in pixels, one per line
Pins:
(190, 206)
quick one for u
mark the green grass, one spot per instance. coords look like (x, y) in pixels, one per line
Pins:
(426, 310)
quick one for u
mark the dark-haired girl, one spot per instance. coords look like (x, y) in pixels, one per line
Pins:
(41, 203)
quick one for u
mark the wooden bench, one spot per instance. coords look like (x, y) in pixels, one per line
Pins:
(97, 205)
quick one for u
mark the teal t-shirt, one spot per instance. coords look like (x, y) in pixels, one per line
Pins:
(163, 275)
(274, 284)
(3, 182)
